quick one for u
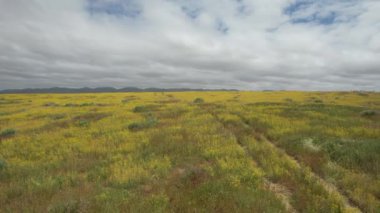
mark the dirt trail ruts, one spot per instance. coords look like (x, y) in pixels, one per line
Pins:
(281, 191)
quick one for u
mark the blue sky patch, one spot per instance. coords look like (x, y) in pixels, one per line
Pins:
(242, 8)
(317, 18)
(221, 26)
(316, 12)
(120, 8)
(320, 12)
(191, 12)
(297, 6)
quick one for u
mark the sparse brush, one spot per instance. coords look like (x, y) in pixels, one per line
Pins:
(3, 164)
(7, 133)
(198, 101)
(83, 123)
(57, 116)
(86, 104)
(362, 93)
(146, 108)
(368, 113)
(50, 104)
(66, 206)
(70, 105)
(140, 109)
(149, 122)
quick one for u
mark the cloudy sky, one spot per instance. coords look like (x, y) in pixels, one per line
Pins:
(242, 44)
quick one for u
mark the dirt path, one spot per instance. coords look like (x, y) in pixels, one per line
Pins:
(282, 192)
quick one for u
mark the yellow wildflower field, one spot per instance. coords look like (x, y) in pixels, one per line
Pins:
(228, 151)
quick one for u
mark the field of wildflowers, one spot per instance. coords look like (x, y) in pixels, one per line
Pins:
(190, 152)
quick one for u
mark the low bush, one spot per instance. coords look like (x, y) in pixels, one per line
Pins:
(58, 116)
(92, 116)
(315, 100)
(7, 133)
(128, 99)
(86, 104)
(368, 113)
(70, 105)
(198, 101)
(3, 164)
(135, 126)
(140, 109)
(83, 123)
(149, 122)
(66, 206)
(50, 104)
(145, 108)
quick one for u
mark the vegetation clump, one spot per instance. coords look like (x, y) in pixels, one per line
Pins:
(68, 206)
(128, 99)
(50, 104)
(368, 113)
(83, 123)
(362, 93)
(140, 109)
(3, 164)
(70, 105)
(91, 116)
(145, 108)
(58, 116)
(198, 101)
(7, 133)
(147, 123)
(315, 100)
(86, 104)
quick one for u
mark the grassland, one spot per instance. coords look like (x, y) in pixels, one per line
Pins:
(190, 152)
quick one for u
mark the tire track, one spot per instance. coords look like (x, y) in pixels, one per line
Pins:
(281, 191)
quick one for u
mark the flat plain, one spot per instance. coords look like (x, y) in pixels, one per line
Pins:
(190, 152)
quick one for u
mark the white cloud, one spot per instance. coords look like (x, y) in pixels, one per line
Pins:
(176, 43)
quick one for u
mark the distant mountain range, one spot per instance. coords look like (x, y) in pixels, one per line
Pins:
(100, 90)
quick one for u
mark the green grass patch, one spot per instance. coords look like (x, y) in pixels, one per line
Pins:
(7, 133)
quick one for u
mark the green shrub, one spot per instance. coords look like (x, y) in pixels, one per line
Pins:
(3, 164)
(92, 116)
(146, 108)
(198, 101)
(83, 123)
(4, 113)
(86, 104)
(368, 113)
(362, 93)
(140, 109)
(135, 126)
(129, 99)
(7, 133)
(66, 206)
(125, 100)
(315, 100)
(58, 116)
(149, 122)
(70, 105)
(50, 104)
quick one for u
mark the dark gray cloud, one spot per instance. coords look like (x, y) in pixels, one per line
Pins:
(245, 44)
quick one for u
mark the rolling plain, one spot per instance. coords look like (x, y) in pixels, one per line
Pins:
(235, 151)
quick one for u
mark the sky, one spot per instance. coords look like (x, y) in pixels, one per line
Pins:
(231, 44)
